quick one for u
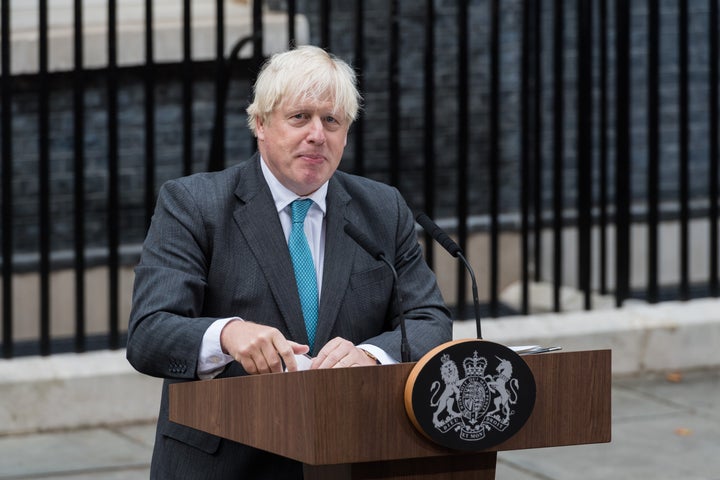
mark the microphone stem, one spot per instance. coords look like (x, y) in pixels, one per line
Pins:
(476, 301)
(404, 345)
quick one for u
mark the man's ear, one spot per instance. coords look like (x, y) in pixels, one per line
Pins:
(259, 128)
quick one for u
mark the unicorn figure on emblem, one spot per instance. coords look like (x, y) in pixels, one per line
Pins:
(499, 386)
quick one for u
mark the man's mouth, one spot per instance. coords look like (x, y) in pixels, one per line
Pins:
(312, 157)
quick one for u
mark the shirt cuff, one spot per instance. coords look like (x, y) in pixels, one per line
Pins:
(212, 360)
(378, 353)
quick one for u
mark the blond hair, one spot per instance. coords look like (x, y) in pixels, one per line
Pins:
(306, 72)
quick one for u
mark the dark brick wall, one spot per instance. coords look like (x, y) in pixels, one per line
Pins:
(131, 139)
(375, 117)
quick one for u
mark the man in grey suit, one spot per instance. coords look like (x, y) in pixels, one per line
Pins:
(215, 290)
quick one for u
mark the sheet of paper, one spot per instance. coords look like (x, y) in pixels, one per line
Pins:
(303, 362)
(529, 349)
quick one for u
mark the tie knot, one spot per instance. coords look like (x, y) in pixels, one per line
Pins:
(299, 209)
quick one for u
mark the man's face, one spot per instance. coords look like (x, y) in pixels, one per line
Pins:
(302, 143)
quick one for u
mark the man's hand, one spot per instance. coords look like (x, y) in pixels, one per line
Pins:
(259, 348)
(338, 353)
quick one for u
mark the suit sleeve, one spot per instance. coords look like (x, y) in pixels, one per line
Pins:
(165, 330)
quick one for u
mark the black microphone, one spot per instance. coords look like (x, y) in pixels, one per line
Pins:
(454, 249)
(371, 248)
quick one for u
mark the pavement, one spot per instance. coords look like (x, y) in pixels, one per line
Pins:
(664, 427)
(64, 420)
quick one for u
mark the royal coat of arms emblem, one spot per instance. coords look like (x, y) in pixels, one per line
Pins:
(474, 406)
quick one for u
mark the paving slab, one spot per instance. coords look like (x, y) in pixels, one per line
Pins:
(661, 429)
(87, 453)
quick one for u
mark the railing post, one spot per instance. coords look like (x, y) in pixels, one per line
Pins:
(558, 149)
(462, 148)
(79, 176)
(684, 149)
(714, 150)
(653, 178)
(429, 163)
(113, 193)
(622, 160)
(525, 150)
(6, 210)
(585, 146)
(44, 174)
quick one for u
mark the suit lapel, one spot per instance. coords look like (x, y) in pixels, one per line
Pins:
(259, 224)
(339, 253)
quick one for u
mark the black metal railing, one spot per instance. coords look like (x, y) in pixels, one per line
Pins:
(533, 118)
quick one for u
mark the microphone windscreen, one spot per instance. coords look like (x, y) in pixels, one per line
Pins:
(439, 235)
(364, 241)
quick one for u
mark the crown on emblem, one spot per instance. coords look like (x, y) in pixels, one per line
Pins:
(445, 358)
(474, 366)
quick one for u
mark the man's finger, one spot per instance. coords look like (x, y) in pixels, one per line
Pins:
(332, 353)
(271, 357)
(248, 365)
(287, 356)
(299, 348)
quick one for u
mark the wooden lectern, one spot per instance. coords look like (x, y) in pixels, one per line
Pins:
(350, 423)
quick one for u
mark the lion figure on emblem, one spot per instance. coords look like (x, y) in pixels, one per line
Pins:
(451, 377)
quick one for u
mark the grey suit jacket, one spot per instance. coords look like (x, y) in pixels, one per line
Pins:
(216, 249)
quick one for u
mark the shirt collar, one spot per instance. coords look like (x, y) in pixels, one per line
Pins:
(284, 197)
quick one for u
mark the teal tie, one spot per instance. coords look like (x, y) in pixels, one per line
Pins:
(304, 267)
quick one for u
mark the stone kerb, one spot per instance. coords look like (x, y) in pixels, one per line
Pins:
(74, 390)
(643, 338)
(100, 388)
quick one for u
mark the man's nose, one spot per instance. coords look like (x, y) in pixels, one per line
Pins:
(316, 132)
